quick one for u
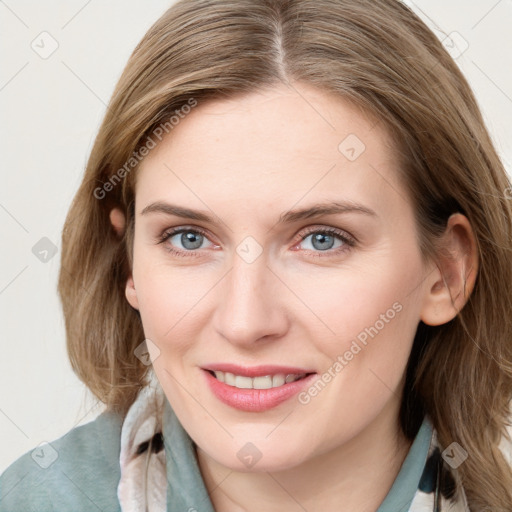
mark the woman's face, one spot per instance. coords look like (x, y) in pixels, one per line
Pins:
(252, 279)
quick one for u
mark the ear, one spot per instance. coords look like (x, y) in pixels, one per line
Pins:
(131, 293)
(451, 283)
(118, 221)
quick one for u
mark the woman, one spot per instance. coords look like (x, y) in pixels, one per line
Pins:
(288, 274)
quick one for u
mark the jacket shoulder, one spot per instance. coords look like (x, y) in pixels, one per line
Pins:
(78, 471)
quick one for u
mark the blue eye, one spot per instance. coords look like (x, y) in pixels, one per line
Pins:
(190, 239)
(323, 241)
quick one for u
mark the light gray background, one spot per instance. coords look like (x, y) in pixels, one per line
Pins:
(51, 109)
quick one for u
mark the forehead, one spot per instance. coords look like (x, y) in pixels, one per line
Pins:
(278, 146)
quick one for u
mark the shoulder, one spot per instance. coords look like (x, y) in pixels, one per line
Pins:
(64, 474)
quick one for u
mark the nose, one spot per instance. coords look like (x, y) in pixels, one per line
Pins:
(250, 307)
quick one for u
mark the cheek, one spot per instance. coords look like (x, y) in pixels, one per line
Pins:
(374, 320)
(169, 301)
(376, 334)
(375, 300)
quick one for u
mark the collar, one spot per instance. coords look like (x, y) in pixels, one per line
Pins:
(186, 491)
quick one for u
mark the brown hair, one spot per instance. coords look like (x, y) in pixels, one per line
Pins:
(379, 55)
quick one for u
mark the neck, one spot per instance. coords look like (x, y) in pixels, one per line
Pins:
(353, 476)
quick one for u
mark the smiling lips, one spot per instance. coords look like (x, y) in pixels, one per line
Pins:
(258, 388)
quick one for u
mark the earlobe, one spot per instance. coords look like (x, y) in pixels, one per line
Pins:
(451, 283)
(131, 293)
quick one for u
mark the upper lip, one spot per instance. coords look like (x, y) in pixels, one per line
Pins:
(257, 371)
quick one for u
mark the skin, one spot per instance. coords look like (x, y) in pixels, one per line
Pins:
(245, 161)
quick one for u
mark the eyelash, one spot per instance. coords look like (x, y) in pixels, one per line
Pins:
(348, 241)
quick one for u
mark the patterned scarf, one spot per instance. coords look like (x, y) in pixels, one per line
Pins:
(143, 483)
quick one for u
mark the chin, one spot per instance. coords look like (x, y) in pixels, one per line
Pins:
(250, 459)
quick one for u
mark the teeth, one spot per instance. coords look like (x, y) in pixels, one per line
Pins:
(265, 382)
(262, 382)
(243, 382)
(278, 380)
(229, 378)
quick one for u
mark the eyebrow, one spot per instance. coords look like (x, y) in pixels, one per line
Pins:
(328, 208)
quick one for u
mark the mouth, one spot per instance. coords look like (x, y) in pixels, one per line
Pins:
(256, 389)
(260, 382)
